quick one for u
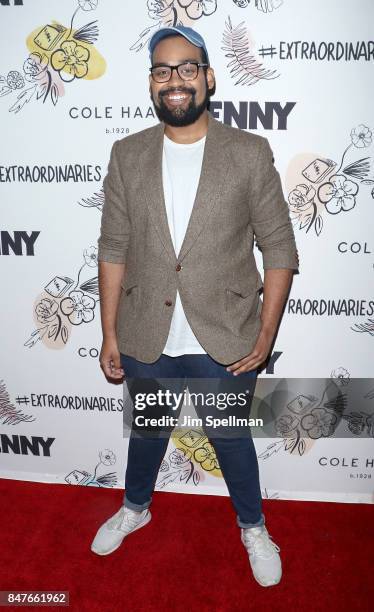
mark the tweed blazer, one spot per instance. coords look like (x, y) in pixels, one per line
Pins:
(239, 200)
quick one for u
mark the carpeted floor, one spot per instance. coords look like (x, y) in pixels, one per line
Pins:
(188, 558)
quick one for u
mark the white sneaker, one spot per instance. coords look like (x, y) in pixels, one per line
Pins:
(263, 555)
(111, 534)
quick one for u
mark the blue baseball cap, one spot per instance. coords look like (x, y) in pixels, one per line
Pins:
(191, 35)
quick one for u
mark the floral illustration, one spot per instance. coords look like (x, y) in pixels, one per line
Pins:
(307, 418)
(319, 423)
(192, 457)
(178, 467)
(172, 13)
(340, 375)
(266, 6)
(109, 479)
(70, 60)
(361, 136)
(197, 8)
(328, 189)
(206, 456)
(360, 422)
(301, 197)
(78, 307)
(338, 194)
(65, 304)
(58, 55)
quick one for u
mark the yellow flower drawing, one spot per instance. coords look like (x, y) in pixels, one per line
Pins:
(70, 60)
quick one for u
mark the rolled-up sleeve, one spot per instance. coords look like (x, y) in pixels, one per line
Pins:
(115, 226)
(269, 215)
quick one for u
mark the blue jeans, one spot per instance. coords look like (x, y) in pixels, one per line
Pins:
(236, 456)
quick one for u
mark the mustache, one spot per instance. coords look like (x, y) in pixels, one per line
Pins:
(189, 90)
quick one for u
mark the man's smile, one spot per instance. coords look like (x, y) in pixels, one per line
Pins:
(176, 98)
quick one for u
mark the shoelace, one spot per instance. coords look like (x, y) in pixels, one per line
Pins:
(129, 521)
(124, 520)
(260, 543)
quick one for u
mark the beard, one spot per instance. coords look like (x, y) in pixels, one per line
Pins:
(180, 116)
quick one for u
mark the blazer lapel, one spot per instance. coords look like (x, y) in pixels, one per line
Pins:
(215, 166)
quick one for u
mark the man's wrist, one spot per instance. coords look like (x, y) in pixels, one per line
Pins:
(110, 335)
(267, 329)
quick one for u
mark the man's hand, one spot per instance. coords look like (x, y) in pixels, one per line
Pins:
(276, 286)
(110, 359)
(256, 357)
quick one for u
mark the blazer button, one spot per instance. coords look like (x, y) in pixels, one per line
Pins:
(168, 303)
(178, 268)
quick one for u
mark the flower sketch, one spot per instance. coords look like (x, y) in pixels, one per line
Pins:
(107, 458)
(206, 456)
(172, 13)
(66, 303)
(340, 375)
(15, 80)
(197, 8)
(361, 136)
(58, 55)
(88, 5)
(338, 194)
(177, 466)
(319, 423)
(78, 307)
(331, 189)
(46, 310)
(301, 198)
(90, 257)
(70, 61)
(35, 66)
(306, 417)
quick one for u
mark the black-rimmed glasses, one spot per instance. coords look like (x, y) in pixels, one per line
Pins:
(187, 71)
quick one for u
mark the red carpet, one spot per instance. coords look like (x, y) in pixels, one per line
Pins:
(188, 558)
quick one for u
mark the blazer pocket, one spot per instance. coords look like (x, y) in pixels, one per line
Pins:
(244, 292)
(241, 301)
(128, 285)
(245, 287)
(130, 300)
(242, 288)
(130, 289)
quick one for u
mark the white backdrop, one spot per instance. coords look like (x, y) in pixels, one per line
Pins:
(74, 78)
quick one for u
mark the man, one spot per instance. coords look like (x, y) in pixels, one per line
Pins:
(183, 202)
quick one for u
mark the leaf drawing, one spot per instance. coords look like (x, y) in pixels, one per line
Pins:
(22, 99)
(359, 169)
(4, 87)
(367, 327)
(243, 63)
(95, 201)
(88, 33)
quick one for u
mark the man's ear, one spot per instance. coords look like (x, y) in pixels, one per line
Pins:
(210, 76)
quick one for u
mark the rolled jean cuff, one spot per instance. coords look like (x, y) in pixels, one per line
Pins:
(247, 525)
(138, 507)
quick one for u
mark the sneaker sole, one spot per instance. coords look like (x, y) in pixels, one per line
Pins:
(266, 584)
(144, 522)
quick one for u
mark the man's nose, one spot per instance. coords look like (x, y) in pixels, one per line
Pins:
(175, 80)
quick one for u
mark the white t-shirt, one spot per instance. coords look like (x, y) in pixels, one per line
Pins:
(181, 168)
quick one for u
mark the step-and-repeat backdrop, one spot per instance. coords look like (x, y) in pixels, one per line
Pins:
(74, 78)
